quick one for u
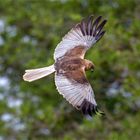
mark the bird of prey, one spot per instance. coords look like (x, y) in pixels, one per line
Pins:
(70, 65)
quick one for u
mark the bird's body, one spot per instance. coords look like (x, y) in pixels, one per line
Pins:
(73, 63)
(70, 65)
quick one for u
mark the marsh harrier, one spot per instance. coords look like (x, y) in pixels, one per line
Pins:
(70, 65)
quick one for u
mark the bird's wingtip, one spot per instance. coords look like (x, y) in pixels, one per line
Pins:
(89, 109)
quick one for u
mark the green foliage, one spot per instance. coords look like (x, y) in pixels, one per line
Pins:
(29, 33)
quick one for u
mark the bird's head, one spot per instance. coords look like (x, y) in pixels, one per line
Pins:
(89, 65)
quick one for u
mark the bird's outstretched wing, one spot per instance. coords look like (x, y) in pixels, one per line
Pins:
(74, 86)
(83, 36)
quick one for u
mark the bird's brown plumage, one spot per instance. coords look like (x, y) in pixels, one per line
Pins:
(77, 51)
(72, 68)
(70, 65)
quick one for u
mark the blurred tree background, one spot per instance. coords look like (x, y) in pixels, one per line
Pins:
(29, 33)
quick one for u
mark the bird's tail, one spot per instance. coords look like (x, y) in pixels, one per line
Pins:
(34, 74)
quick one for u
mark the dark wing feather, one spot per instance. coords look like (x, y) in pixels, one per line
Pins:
(88, 108)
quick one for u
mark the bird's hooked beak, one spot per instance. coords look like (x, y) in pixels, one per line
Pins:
(92, 68)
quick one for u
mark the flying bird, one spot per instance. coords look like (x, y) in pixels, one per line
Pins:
(70, 65)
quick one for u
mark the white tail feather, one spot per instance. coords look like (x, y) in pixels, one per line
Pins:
(34, 74)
